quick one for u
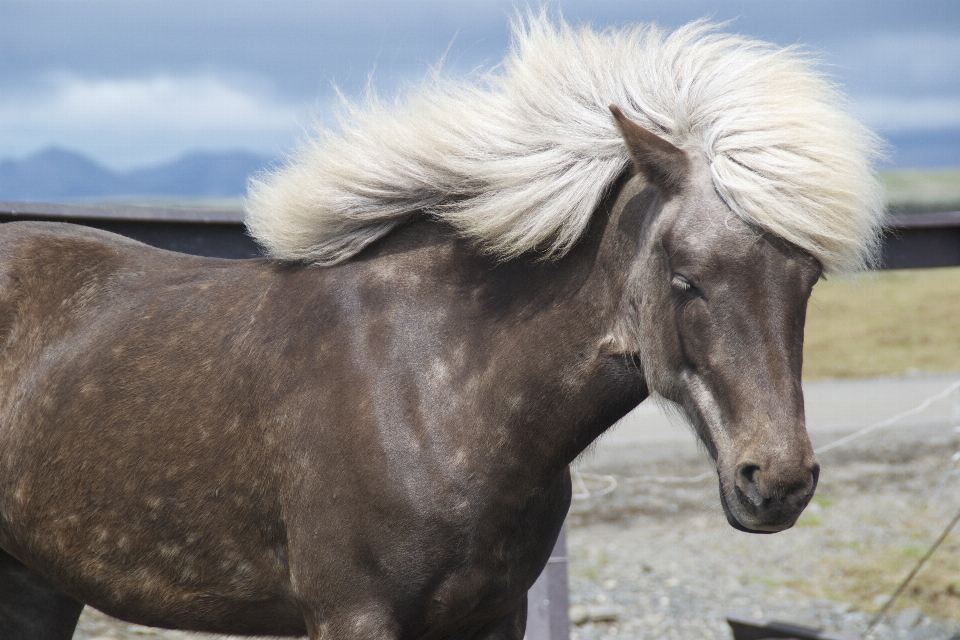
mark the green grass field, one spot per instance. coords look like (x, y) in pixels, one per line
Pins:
(890, 322)
(884, 323)
(920, 191)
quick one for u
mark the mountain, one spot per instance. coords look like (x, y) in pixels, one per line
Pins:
(55, 173)
(198, 174)
(58, 174)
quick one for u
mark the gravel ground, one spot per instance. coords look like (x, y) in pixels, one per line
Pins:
(662, 561)
(658, 560)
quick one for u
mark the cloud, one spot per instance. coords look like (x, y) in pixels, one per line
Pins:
(900, 80)
(120, 119)
(900, 63)
(165, 102)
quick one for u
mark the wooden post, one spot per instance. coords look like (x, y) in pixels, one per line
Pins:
(547, 600)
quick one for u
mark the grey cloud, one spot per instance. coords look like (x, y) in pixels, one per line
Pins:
(899, 60)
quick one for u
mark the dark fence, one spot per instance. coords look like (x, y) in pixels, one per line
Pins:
(200, 232)
(910, 241)
(922, 240)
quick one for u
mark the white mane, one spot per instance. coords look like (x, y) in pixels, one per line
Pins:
(519, 158)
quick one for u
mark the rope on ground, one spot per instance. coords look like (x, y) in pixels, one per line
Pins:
(583, 493)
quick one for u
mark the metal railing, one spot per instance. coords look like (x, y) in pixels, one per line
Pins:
(910, 241)
(922, 240)
(217, 234)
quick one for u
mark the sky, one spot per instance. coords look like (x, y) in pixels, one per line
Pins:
(138, 82)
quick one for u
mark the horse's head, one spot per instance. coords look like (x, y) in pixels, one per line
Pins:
(716, 311)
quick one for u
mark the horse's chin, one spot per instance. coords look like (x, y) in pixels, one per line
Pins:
(736, 524)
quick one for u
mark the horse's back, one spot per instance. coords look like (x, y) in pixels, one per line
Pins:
(50, 273)
(42, 265)
(119, 368)
(52, 276)
(44, 248)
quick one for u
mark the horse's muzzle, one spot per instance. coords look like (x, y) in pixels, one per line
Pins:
(759, 502)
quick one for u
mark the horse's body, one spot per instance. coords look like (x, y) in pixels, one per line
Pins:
(377, 449)
(203, 443)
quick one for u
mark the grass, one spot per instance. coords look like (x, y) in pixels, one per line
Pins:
(884, 323)
(864, 579)
(812, 516)
(865, 570)
(919, 191)
(893, 322)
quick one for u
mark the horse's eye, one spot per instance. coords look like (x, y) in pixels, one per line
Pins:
(682, 285)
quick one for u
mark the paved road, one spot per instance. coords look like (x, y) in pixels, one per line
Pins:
(833, 407)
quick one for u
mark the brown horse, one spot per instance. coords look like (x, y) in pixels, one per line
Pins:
(380, 448)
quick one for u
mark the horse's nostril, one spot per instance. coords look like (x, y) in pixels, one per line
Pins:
(750, 473)
(748, 482)
(774, 495)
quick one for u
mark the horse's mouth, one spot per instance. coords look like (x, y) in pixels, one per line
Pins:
(736, 524)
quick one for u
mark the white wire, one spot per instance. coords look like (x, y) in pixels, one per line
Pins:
(889, 421)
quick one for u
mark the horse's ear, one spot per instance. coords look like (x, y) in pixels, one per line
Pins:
(659, 161)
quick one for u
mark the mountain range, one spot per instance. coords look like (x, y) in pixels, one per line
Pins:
(60, 174)
(56, 174)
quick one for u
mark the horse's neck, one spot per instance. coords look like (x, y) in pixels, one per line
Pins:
(577, 380)
(526, 343)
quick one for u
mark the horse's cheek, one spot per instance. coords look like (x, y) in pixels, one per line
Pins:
(695, 336)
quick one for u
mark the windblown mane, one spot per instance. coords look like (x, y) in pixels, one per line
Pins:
(519, 158)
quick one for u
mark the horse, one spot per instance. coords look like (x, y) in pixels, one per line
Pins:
(368, 433)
